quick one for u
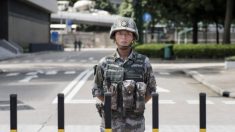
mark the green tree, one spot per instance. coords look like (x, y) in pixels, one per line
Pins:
(126, 8)
(104, 5)
(187, 13)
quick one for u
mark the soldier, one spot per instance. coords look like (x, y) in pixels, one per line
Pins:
(128, 76)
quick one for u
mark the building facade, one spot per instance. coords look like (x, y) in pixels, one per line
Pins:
(26, 21)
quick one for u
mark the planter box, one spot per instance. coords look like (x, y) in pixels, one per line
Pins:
(229, 64)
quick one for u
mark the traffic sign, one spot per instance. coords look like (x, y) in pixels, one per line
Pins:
(147, 17)
(54, 37)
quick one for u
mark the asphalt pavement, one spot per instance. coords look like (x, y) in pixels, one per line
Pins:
(210, 73)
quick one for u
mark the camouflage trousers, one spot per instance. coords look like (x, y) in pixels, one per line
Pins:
(129, 123)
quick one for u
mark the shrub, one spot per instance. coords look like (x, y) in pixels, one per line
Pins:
(211, 51)
(203, 51)
(151, 50)
(231, 58)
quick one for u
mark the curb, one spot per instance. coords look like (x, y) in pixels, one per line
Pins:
(199, 77)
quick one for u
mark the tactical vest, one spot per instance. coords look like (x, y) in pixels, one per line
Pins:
(127, 84)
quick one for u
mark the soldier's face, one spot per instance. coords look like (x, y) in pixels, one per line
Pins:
(123, 38)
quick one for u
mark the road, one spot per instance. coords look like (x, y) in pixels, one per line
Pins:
(38, 78)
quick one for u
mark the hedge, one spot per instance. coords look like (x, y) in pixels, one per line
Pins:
(212, 51)
(231, 58)
(203, 51)
(151, 50)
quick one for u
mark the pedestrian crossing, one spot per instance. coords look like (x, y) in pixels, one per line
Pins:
(47, 72)
(96, 128)
(161, 102)
(89, 60)
(75, 85)
(55, 72)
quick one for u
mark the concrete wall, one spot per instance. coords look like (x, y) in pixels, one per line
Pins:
(26, 21)
(89, 39)
(27, 24)
(25, 31)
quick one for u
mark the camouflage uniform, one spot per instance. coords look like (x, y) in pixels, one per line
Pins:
(136, 68)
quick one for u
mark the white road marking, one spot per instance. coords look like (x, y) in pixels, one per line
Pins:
(28, 78)
(93, 101)
(78, 86)
(31, 73)
(164, 73)
(197, 102)
(162, 90)
(40, 71)
(12, 74)
(72, 84)
(91, 58)
(53, 72)
(166, 102)
(229, 102)
(69, 72)
(163, 102)
(81, 101)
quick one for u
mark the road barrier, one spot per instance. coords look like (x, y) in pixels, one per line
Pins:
(155, 112)
(202, 112)
(13, 112)
(108, 112)
(60, 112)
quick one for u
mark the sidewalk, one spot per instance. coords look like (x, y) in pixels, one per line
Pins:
(218, 79)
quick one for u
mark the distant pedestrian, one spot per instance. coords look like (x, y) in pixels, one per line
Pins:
(75, 45)
(79, 44)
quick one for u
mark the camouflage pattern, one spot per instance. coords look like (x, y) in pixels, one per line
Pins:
(131, 123)
(128, 89)
(137, 68)
(140, 96)
(124, 23)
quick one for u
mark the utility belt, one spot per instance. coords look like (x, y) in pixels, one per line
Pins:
(128, 114)
(132, 96)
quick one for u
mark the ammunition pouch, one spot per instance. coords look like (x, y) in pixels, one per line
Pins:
(113, 90)
(140, 97)
(128, 88)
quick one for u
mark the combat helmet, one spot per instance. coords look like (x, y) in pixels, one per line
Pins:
(124, 23)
